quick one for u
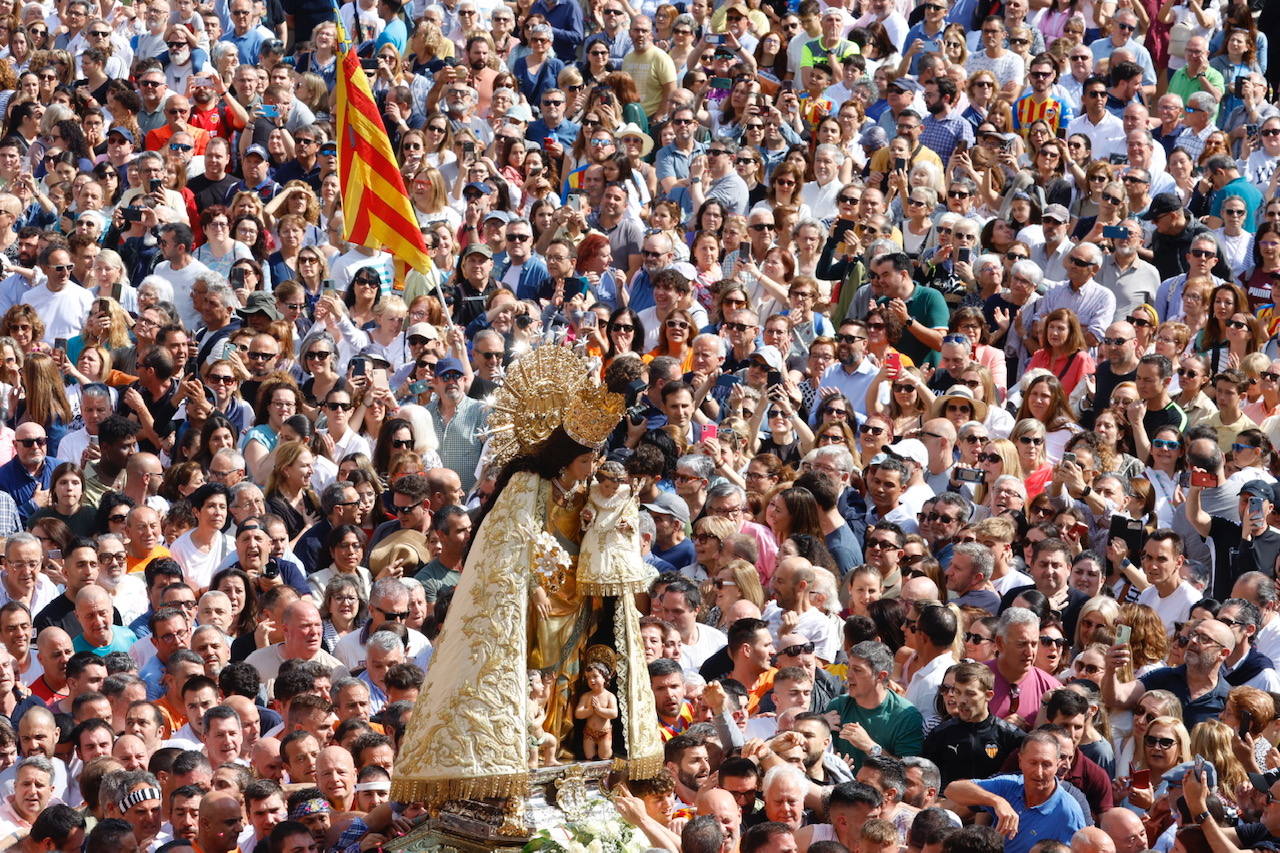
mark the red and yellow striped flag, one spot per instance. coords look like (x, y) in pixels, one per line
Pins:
(376, 209)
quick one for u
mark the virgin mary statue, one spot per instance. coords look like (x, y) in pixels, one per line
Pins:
(519, 607)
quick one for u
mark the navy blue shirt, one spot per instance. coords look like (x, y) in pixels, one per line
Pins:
(1174, 679)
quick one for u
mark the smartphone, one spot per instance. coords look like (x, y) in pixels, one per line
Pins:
(575, 201)
(964, 256)
(589, 320)
(1204, 479)
(422, 386)
(724, 83)
(744, 251)
(228, 350)
(1118, 159)
(706, 431)
(970, 475)
(1246, 722)
(1251, 130)
(1238, 87)
(774, 378)
(1069, 456)
(899, 164)
(715, 38)
(93, 441)
(1141, 778)
(270, 111)
(60, 344)
(1115, 232)
(1184, 479)
(728, 380)
(1079, 530)
(1123, 634)
(1255, 504)
(154, 185)
(469, 148)
(54, 554)
(358, 367)
(370, 65)
(236, 277)
(893, 361)
(961, 146)
(327, 285)
(131, 214)
(203, 81)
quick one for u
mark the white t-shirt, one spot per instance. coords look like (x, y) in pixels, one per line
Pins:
(199, 566)
(183, 280)
(1175, 608)
(63, 312)
(707, 642)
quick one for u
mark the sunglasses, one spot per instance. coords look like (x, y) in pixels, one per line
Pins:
(33, 442)
(1031, 440)
(796, 650)
(1164, 444)
(977, 638)
(1159, 742)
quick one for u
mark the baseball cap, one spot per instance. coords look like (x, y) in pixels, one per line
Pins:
(258, 150)
(477, 249)
(1160, 205)
(449, 365)
(910, 448)
(422, 330)
(667, 503)
(1057, 213)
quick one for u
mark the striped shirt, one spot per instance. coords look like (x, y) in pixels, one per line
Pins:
(1028, 110)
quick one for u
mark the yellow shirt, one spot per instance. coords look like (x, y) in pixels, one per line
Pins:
(651, 71)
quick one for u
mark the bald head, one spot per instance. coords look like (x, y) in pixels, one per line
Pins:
(1091, 839)
(919, 589)
(742, 609)
(1125, 830)
(720, 804)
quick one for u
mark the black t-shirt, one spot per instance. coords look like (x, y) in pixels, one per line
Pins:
(971, 750)
(1105, 381)
(208, 193)
(1232, 556)
(1256, 835)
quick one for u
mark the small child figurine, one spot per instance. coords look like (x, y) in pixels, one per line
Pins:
(599, 708)
(609, 559)
(542, 744)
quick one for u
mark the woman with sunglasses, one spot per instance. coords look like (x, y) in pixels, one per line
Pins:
(1131, 729)
(1052, 652)
(675, 337)
(1228, 340)
(909, 398)
(1028, 437)
(784, 188)
(319, 364)
(873, 435)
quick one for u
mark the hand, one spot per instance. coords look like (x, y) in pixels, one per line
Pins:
(1119, 656)
(1117, 551)
(262, 634)
(92, 453)
(1002, 317)
(41, 497)
(541, 602)
(789, 621)
(899, 308)
(856, 736)
(1135, 412)
(630, 808)
(1006, 818)
(713, 697)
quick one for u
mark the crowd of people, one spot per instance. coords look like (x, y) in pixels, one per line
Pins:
(949, 339)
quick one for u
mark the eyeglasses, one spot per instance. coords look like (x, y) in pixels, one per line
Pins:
(1203, 254)
(977, 638)
(393, 616)
(1031, 440)
(1237, 324)
(1061, 642)
(1116, 342)
(220, 379)
(33, 442)
(339, 407)
(846, 339)
(1159, 742)
(796, 650)
(1164, 444)
(677, 324)
(262, 356)
(1134, 179)
(405, 510)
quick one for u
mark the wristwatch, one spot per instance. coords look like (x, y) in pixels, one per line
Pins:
(1088, 490)
(1201, 818)
(876, 751)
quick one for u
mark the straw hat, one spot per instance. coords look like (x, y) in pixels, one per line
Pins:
(962, 394)
(633, 129)
(408, 546)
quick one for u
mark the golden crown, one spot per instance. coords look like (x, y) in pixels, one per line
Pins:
(548, 387)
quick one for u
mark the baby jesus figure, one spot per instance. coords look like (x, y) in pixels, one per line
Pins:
(542, 744)
(599, 708)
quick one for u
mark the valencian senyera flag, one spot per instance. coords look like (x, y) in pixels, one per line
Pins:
(376, 210)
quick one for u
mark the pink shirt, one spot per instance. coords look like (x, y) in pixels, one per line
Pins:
(1024, 698)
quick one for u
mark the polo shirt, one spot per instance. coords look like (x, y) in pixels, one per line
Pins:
(895, 724)
(1031, 689)
(1207, 706)
(1058, 817)
(926, 306)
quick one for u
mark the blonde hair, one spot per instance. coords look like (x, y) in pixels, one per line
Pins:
(1212, 739)
(748, 580)
(1011, 464)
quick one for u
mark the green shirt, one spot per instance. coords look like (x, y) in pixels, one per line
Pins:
(927, 307)
(1184, 86)
(437, 577)
(896, 725)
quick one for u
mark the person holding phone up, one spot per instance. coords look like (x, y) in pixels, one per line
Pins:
(1251, 544)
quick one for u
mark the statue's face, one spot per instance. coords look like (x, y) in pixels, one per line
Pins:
(581, 468)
